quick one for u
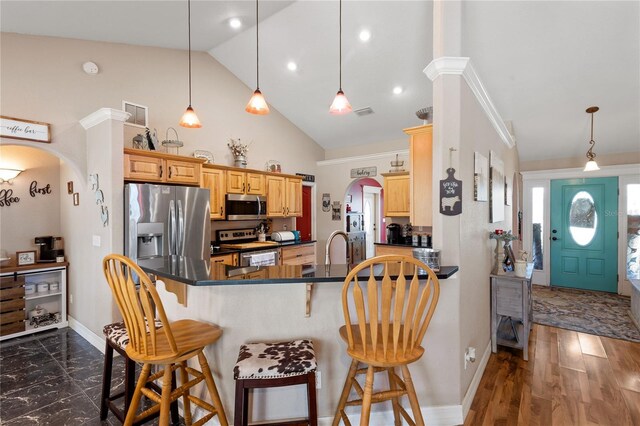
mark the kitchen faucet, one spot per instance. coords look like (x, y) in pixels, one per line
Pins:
(327, 257)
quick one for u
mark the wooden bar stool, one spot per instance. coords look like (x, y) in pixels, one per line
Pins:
(268, 365)
(168, 347)
(386, 331)
(117, 338)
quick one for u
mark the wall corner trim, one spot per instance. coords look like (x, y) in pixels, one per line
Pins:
(87, 334)
(453, 65)
(103, 114)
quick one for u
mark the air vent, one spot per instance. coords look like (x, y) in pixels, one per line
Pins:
(363, 111)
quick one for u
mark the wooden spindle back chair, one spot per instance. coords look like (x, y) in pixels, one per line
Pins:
(387, 314)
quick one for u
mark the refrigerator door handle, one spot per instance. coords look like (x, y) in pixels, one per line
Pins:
(181, 230)
(172, 228)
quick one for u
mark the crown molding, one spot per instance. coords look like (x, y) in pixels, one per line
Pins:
(452, 65)
(362, 157)
(103, 114)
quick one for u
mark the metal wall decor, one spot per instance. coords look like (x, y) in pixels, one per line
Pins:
(326, 202)
(94, 181)
(480, 177)
(496, 186)
(450, 192)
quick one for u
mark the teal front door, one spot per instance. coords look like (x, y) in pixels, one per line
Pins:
(584, 233)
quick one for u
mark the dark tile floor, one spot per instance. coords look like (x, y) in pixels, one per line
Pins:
(53, 378)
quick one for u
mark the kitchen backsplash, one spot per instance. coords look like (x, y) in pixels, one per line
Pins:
(277, 224)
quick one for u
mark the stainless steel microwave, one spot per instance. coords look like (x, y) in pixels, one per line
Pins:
(246, 207)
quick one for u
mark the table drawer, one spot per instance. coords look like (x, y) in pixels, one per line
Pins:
(509, 299)
(10, 317)
(11, 305)
(14, 327)
(11, 281)
(11, 293)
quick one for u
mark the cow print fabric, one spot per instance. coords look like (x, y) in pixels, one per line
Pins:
(274, 360)
(117, 333)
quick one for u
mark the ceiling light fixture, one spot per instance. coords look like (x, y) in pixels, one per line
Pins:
(340, 103)
(365, 35)
(292, 66)
(8, 175)
(257, 104)
(189, 118)
(397, 90)
(235, 23)
(591, 163)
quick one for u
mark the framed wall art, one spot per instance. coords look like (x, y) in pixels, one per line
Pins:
(480, 177)
(18, 128)
(496, 192)
(26, 257)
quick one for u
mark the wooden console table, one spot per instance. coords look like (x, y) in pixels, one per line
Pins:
(511, 311)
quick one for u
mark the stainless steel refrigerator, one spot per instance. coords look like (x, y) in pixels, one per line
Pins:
(163, 220)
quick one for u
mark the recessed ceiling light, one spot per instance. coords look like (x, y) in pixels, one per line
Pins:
(235, 23)
(365, 35)
(292, 66)
(397, 90)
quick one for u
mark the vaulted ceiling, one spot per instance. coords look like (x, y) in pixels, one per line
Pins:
(543, 63)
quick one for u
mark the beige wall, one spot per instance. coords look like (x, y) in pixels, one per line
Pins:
(32, 216)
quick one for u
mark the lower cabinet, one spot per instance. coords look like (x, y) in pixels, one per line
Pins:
(302, 254)
(32, 299)
(226, 259)
(397, 250)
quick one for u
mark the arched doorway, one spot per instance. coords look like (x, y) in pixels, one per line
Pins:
(363, 201)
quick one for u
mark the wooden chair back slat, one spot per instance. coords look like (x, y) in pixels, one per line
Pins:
(394, 318)
(138, 305)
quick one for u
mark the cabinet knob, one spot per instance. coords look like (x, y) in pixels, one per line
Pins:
(220, 210)
(249, 187)
(554, 238)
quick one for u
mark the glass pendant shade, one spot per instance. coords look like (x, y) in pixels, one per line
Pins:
(257, 104)
(591, 166)
(190, 119)
(7, 175)
(340, 104)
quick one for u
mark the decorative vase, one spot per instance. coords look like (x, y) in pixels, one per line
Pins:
(497, 269)
(240, 161)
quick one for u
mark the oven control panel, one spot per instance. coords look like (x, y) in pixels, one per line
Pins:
(236, 235)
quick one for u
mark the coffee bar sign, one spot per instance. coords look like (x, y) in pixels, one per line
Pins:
(17, 128)
(364, 172)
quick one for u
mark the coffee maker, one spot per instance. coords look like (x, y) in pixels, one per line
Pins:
(394, 234)
(49, 248)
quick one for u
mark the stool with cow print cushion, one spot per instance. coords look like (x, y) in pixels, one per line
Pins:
(267, 365)
(117, 338)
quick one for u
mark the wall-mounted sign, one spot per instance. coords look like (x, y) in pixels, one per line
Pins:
(17, 128)
(34, 190)
(450, 194)
(307, 178)
(326, 202)
(7, 198)
(364, 172)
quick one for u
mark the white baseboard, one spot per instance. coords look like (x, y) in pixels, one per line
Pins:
(475, 382)
(445, 415)
(87, 334)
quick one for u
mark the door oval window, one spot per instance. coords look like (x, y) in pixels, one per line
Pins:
(583, 218)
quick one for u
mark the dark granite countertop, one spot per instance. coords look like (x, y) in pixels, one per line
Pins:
(204, 272)
(221, 251)
(399, 245)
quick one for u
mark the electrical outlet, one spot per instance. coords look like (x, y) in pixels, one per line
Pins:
(318, 380)
(469, 356)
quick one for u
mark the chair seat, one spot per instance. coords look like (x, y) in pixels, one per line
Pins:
(358, 353)
(189, 335)
(117, 333)
(275, 360)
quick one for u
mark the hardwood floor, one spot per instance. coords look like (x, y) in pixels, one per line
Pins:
(571, 378)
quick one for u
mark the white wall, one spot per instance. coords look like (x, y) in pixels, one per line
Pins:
(32, 216)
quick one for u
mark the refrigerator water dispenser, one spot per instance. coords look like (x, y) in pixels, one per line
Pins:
(150, 240)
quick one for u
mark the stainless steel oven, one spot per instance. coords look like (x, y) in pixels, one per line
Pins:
(268, 257)
(246, 207)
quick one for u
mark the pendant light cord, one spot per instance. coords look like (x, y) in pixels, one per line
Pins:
(340, 46)
(257, 49)
(189, 27)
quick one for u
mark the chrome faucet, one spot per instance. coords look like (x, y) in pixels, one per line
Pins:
(327, 257)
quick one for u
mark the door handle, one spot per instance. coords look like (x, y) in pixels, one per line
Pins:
(248, 187)
(220, 210)
(170, 171)
(287, 211)
(161, 170)
(555, 231)
(243, 186)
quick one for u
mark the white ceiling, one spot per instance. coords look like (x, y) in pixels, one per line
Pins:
(543, 63)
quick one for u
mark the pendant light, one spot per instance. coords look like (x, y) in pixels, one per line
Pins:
(340, 103)
(257, 104)
(189, 118)
(591, 163)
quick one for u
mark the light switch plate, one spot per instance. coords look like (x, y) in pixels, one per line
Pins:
(96, 241)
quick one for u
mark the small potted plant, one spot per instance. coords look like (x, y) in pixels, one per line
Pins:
(239, 151)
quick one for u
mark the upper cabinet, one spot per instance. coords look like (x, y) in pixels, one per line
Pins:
(215, 181)
(150, 166)
(421, 160)
(245, 183)
(284, 196)
(397, 201)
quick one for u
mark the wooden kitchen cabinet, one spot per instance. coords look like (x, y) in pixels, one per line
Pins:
(382, 250)
(397, 201)
(151, 166)
(421, 160)
(284, 196)
(215, 181)
(245, 183)
(226, 259)
(301, 254)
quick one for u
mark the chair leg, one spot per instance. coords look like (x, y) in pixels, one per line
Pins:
(366, 399)
(175, 415)
(345, 392)
(413, 398)
(395, 401)
(241, 409)
(184, 376)
(129, 381)
(213, 391)
(135, 401)
(106, 380)
(165, 399)
(311, 399)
